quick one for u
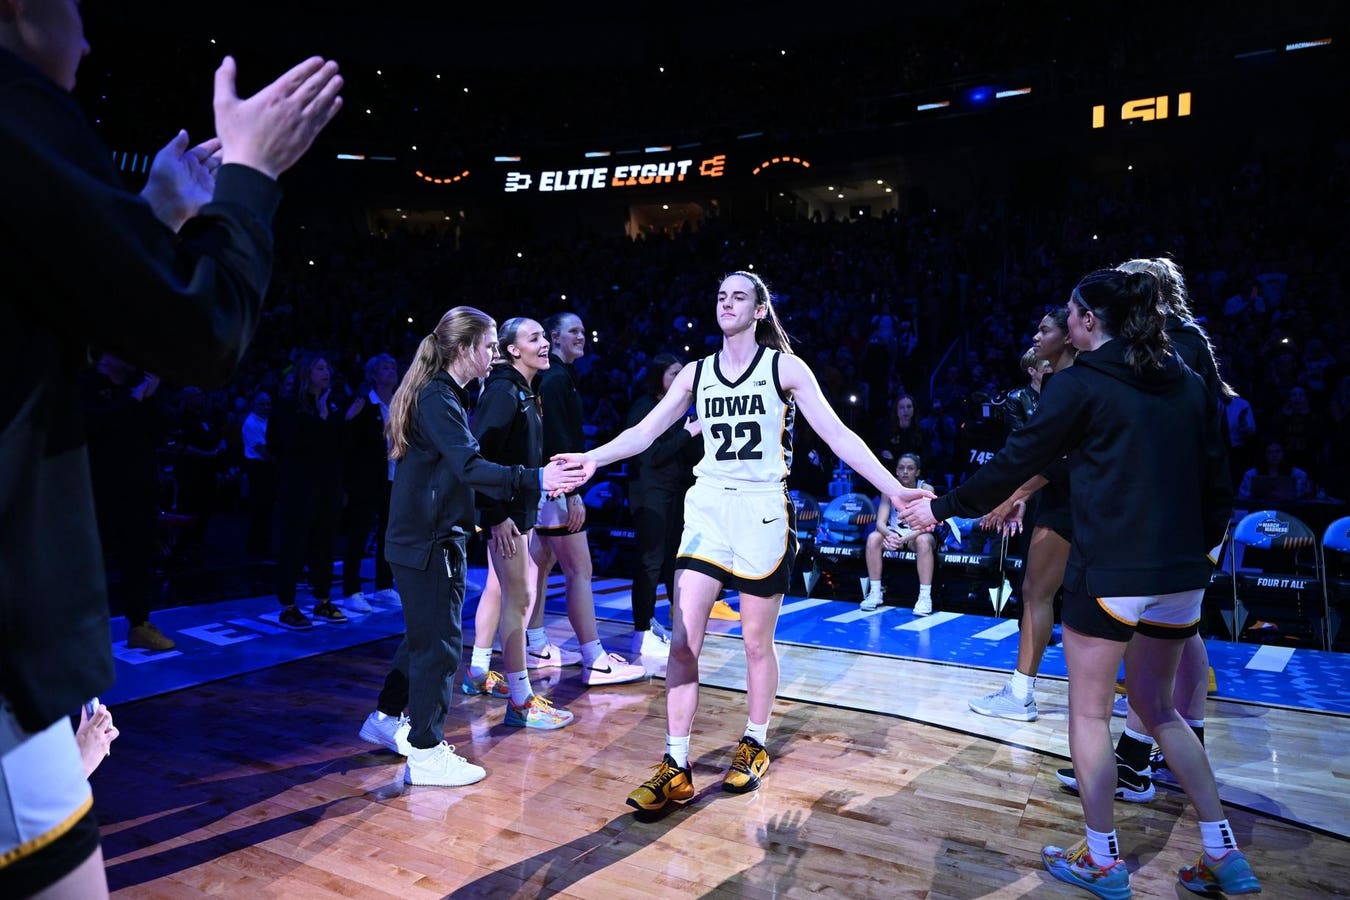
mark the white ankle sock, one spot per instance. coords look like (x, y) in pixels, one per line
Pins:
(1022, 685)
(1217, 837)
(481, 659)
(536, 638)
(1103, 846)
(925, 592)
(591, 651)
(678, 750)
(519, 683)
(758, 732)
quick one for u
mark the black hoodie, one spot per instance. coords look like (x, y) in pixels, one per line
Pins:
(1148, 481)
(510, 431)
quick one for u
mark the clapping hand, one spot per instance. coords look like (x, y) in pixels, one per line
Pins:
(182, 180)
(271, 130)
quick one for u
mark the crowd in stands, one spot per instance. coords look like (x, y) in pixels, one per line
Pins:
(936, 304)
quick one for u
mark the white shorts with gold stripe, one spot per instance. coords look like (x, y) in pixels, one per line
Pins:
(743, 534)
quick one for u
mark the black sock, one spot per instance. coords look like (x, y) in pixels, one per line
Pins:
(1134, 752)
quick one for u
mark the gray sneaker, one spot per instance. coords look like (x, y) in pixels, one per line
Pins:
(1002, 704)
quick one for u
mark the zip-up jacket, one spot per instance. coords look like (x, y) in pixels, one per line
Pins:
(510, 430)
(432, 499)
(561, 400)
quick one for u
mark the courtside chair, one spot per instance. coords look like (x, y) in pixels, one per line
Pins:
(1291, 543)
(1336, 546)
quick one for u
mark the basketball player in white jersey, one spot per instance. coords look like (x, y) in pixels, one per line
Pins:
(738, 529)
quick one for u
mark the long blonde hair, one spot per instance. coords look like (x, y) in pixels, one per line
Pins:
(458, 330)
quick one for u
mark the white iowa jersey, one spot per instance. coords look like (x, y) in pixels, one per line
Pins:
(747, 424)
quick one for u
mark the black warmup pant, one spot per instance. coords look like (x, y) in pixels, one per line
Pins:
(366, 510)
(658, 521)
(309, 513)
(427, 659)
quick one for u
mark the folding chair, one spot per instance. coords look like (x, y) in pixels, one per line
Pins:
(1290, 539)
(1336, 546)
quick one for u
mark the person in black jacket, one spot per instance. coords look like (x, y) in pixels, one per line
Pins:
(431, 514)
(366, 477)
(186, 308)
(509, 428)
(659, 477)
(1136, 575)
(1134, 748)
(559, 535)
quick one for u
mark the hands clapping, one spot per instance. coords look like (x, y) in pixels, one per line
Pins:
(271, 130)
(182, 179)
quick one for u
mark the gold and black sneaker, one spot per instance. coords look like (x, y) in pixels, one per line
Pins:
(751, 761)
(668, 782)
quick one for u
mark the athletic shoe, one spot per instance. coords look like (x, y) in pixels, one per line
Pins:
(723, 610)
(660, 630)
(669, 782)
(291, 617)
(650, 645)
(1003, 704)
(1075, 866)
(1120, 707)
(358, 603)
(872, 599)
(328, 612)
(538, 712)
(146, 636)
(1131, 786)
(493, 683)
(1213, 682)
(1229, 874)
(611, 669)
(382, 731)
(390, 595)
(442, 766)
(1158, 763)
(750, 762)
(923, 607)
(550, 656)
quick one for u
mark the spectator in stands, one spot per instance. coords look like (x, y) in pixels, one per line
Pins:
(559, 535)
(366, 471)
(891, 533)
(906, 434)
(201, 449)
(509, 427)
(658, 480)
(1276, 481)
(260, 468)
(186, 306)
(305, 433)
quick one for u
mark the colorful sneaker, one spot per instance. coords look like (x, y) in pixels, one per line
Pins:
(538, 712)
(750, 762)
(550, 656)
(670, 782)
(872, 600)
(490, 682)
(923, 607)
(382, 731)
(724, 611)
(442, 766)
(147, 636)
(1229, 874)
(1120, 707)
(327, 611)
(1003, 704)
(611, 669)
(291, 617)
(1131, 786)
(1075, 866)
